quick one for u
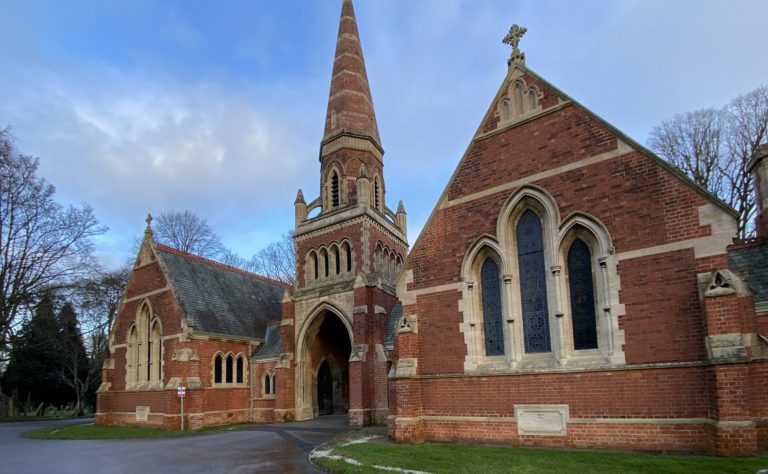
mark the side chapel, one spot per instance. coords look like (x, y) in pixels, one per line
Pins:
(570, 288)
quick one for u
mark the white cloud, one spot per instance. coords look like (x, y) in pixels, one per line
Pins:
(127, 145)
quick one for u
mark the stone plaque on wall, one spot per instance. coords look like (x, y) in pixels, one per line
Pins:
(142, 413)
(543, 420)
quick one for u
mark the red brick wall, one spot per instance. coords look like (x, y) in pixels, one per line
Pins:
(663, 319)
(642, 204)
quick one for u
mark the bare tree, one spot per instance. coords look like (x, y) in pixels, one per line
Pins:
(693, 142)
(188, 232)
(713, 147)
(277, 260)
(75, 370)
(42, 244)
(98, 300)
(747, 117)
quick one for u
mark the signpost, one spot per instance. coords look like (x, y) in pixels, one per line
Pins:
(182, 392)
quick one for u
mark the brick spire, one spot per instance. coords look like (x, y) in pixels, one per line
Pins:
(350, 107)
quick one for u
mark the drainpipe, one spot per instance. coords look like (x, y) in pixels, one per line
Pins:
(250, 385)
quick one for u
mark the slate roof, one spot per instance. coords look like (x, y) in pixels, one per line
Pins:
(751, 262)
(219, 299)
(394, 317)
(271, 347)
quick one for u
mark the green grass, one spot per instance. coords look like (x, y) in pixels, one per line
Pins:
(91, 431)
(444, 458)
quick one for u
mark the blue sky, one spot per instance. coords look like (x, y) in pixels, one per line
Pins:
(218, 107)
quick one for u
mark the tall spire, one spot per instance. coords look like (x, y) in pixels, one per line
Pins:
(350, 107)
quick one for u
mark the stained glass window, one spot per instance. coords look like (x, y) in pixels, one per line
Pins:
(533, 283)
(582, 296)
(491, 295)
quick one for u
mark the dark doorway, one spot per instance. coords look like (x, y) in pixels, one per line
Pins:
(324, 390)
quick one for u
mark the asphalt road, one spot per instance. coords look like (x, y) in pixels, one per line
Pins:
(264, 448)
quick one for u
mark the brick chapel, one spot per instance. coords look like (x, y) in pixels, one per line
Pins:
(570, 288)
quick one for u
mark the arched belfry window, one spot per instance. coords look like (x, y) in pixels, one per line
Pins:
(533, 283)
(490, 286)
(376, 193)
(334, 189)
(582, 293)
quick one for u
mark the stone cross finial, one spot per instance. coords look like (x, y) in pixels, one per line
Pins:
(513, 39)
(148, 220)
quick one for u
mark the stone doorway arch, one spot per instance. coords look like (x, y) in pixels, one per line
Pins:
(322, 375)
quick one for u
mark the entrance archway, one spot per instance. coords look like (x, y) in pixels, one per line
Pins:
(323, 366)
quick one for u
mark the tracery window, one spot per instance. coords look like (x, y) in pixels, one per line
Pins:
(229, 369)
(533, 283)
(144, 351)
(269, 384)
(532, 294)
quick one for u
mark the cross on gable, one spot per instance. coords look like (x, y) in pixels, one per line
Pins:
(513, 39)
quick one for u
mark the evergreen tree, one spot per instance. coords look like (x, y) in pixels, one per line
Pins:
(35, 364)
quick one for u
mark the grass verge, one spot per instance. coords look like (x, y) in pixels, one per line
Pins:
(91, 431)
(444, 458)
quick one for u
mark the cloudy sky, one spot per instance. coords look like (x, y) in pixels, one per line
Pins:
(218, 107)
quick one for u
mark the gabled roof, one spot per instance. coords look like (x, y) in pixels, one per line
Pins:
(751, 261)
(479, 135)
(219, 299)
(271, 347)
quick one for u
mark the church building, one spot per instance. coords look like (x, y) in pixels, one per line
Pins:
(570, 288)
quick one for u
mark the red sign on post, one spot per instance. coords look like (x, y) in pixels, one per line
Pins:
(181, 392)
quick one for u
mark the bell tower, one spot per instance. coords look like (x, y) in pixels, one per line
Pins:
(350, 247)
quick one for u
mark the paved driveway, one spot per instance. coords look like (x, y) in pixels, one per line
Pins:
(262, 448)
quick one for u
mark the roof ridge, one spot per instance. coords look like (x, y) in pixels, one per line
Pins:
(222, 266)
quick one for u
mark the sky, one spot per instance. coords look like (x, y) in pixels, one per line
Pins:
(218, 107)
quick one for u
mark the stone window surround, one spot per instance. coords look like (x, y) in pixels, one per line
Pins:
(387, 262)
(270, 375)
(315, 262)
(235, 358)
(557, 240)
(332, 168)
(519, 100)
(146, 328)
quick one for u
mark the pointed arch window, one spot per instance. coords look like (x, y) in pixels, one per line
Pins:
(218, 363)
(132, 359)
(348, 252)
(334, 189)
(229, 369)
(533, 283)
(582, 296)
(144, 351)
(267, 384)
(240, 369)
(490, 286)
